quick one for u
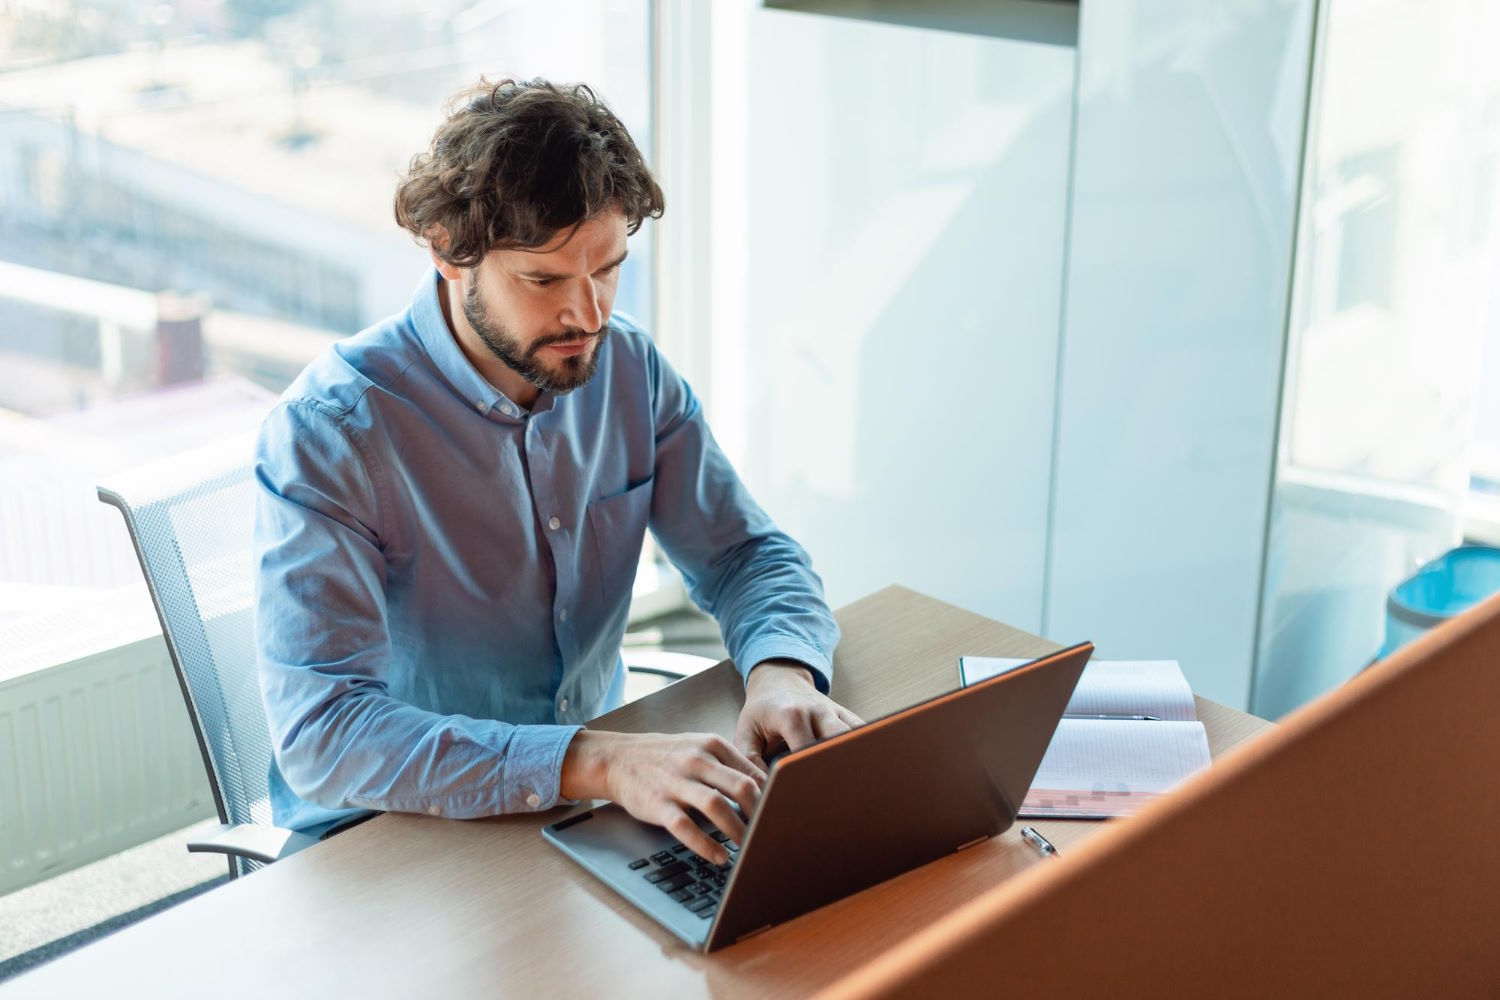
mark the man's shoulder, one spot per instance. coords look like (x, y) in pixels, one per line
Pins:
(636, 358)
(631, 335)
(339, 379)
(336, 408)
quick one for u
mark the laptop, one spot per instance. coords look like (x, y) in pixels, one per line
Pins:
(844, 813)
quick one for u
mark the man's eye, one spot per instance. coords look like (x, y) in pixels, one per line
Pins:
(542, 282)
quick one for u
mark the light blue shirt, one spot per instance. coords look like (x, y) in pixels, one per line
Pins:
(443, 577)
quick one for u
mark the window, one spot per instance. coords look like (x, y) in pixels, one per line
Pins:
(195, 199)
(1395, 271)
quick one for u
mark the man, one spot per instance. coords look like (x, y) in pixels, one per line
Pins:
(453, 503)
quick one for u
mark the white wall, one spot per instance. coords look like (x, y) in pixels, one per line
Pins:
(1189, 132)
(901, 201)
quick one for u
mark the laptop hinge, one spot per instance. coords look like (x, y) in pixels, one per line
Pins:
(976, 840)
(751, 934)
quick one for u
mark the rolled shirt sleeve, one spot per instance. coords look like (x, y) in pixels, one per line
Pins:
(339, 739)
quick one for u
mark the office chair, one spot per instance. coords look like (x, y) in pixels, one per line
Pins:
(191, 519)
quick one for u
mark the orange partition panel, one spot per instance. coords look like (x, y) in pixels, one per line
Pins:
(1353, 850)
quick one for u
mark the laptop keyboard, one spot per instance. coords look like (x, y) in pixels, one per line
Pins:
(687, 878)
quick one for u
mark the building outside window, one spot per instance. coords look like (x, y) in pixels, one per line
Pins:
(195, 199)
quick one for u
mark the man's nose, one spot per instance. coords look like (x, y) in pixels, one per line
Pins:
(584, 310)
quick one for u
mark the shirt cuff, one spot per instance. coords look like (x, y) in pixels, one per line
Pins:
(785, 647)
(532, 773)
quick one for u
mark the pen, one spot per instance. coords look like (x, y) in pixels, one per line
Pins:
(1042, 844)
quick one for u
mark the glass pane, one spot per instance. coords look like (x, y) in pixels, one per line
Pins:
(196, 198)
(1395, 271)
(1184, 203)
(1398, 234)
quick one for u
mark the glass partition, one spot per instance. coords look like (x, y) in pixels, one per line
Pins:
(901, 202)
(1395, 274)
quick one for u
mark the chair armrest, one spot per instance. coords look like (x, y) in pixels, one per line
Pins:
(254, 841)
(671, 675)
(661, 663)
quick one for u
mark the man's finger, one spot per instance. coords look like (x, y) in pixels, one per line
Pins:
(849, 718)
(744, 734)
(735, 756)
(720, 813)
(736, 785)
(745, 743)
(796, 730)
(684, 829)
(826, 723)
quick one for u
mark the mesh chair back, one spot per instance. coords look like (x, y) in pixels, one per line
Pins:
(191, 518)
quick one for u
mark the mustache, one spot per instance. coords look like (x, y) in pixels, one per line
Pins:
(564, 337)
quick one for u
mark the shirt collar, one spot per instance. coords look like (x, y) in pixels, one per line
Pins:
(442, 347)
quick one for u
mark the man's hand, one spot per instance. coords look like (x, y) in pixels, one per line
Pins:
(782, 705)
(657, 778)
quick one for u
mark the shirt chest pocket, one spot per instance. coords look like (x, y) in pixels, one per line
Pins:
(618, 525)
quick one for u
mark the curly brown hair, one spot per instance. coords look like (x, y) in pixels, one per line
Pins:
(517, 162)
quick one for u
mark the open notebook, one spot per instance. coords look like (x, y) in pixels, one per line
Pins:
(1130, 733)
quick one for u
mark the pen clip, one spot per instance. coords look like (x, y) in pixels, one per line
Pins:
(1035, 839)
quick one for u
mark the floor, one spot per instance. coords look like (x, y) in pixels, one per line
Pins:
(48, 919)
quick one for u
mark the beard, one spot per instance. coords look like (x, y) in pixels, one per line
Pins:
(570, 372)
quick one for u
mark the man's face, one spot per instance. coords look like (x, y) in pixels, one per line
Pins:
(543, 312)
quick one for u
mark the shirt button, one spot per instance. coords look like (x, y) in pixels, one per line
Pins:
(562, 706)
(533, 800)
(562, 615)
(480, 406)
(435, 810)
(508, 410)
(554, 523)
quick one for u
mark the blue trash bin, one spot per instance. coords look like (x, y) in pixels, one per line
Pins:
(1448, 585)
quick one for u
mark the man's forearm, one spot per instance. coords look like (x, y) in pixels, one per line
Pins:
(585, 767)
(375, 752)
(766, 668)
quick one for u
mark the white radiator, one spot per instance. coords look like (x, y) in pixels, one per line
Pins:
(96, 756)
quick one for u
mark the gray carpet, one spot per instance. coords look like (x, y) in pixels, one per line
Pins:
(61, 946)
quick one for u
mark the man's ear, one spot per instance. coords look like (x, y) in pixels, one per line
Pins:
(437, 240)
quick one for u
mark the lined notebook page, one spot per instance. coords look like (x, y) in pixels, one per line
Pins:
(1106, 767)
(1109, 687)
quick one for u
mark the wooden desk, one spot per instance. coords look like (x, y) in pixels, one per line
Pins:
(415, 906)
